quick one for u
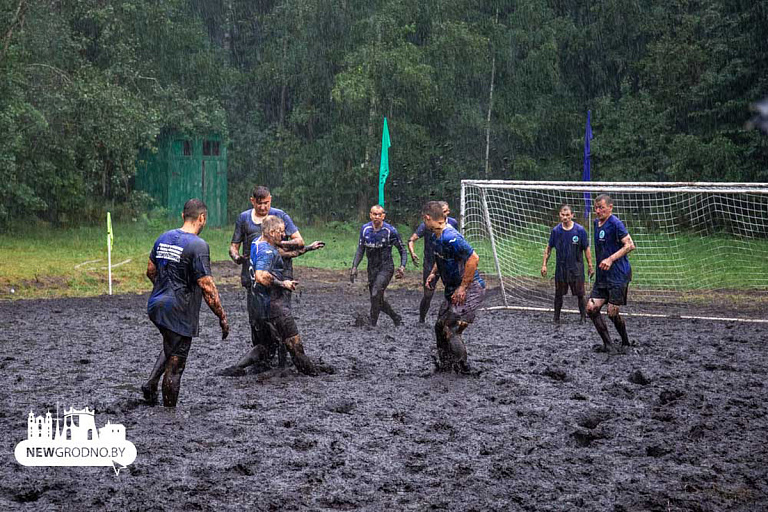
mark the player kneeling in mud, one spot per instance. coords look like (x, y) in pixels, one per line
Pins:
(269, 313)
(456, 263)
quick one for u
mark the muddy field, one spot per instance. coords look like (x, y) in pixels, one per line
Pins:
(548, 424)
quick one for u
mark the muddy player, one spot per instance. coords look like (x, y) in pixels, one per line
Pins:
(248, 229)
(612, 244)
(180, 271)
(570, 241)
(456, 264)
(268, 309)
(429, 259)
(376, 240)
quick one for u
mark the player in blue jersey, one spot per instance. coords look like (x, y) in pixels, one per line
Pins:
(456, 264)
(248, 229)
(570, 241)
(180, 271)
(429, 259)
(376, 241)
(268, 308)
(612, 244)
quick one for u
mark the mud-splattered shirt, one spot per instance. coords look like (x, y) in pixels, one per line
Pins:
(267, 301)
(451, 254)
(377, 246)
(429, 250)
(246, 231)
(181, 259)
(569, 246)
(608, 240)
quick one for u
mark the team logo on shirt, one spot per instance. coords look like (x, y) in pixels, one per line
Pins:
(602, 234)
(575, 239)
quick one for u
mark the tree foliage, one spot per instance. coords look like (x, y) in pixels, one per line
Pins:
(299, 90)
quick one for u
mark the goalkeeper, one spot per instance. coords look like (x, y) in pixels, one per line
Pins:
(376, 241)
(612, 244)
(570, 241)
(456, 263)
(429, 258)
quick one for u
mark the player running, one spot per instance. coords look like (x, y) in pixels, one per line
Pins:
(429, 259)
(612, 244)
(268, 310)
(248, 229)
(180, 270)
(569, 240)
(376, 241)
(456, 263)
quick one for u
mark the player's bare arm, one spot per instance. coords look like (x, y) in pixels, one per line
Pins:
(234, 253)
(289, 252)
(628, 247)
(547, 252)
(211, 296)
(590, 268)
(151, 271)
(432, 278)
(411, 241)
(460, 295)
(264, 278)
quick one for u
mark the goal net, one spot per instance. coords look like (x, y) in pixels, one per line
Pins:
(702, 248)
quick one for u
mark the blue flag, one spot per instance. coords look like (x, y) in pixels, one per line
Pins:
(384, 165)
(587, 175)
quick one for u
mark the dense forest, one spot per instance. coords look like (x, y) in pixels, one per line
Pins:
(299, 89)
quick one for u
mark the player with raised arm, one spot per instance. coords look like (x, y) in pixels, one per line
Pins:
(569, 240)
(456, 263)
(180, 270)
(248, 229)
(268, 310)
(612, 244)
(376, 240)
(429, 259)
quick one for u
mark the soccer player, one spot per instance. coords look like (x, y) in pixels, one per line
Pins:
(267, 307)
(569, 240)
(429, 259)
(180, 271)
(456, 263)
(612, 244)
(248, 229)
(376, 241)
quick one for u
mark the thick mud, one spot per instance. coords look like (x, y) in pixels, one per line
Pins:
(549, 424)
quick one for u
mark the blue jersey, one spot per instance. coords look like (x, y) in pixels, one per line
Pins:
(268, 301)
(451, 254)
(608, 240)
(377, 245)
(181, 259)
(246, 231)
(569, 246)
(429, 251)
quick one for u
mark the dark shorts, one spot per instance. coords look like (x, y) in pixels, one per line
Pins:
(175, 344)
(426, 270)
(450, 313)
(616, 295)
(379, 280)
(576, 287)
(277, 329)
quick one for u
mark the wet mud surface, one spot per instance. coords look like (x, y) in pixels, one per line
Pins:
(549, 424)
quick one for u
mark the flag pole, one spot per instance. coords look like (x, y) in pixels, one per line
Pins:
(109, 251)
(384, 165)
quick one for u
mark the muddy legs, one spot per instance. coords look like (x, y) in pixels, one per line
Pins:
(172, 380)
(300, 360)
(426, 300)
(451, 351)
(149, 389)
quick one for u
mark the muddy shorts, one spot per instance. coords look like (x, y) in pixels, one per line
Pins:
(426, 270)
(175, 344)
(576, 287)
(379, 280)
(450, 312)
(616, 295)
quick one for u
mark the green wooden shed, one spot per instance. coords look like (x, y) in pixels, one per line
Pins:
(184, 168)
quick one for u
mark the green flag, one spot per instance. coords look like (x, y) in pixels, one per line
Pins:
(384, 166)
(109, 231)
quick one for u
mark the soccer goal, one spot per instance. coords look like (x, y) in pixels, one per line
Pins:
(702, 248)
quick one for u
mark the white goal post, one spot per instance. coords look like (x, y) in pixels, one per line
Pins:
(701, 247)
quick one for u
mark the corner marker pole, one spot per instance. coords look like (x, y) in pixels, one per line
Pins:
(109, 250)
